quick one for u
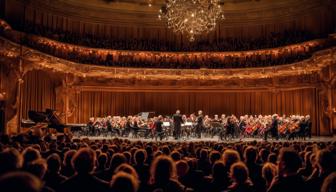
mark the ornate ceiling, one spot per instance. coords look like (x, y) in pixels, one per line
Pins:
(136, 20)
(137, 12)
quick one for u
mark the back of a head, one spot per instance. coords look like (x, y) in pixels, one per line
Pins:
(19, 182)
(326, 160)
(214, 156)
(54, 163)
(218, 170)
(116, 160)
(68, 157)
(182, 168)
(329, 183)
(102, 160)
(239, 172)
(250, 154)
(124, 182)
(269, 171)
(162, 169)
(175, 155)
(127, 169)
(289, 161)
(30, 154)
(140, 156)
(10, 160)
(84, 160)
(204, 154)
(230, 156)
(37, 168)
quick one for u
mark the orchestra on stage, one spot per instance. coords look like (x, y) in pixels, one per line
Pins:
(180, 126)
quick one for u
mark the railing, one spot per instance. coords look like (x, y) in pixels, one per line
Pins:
(155, 59)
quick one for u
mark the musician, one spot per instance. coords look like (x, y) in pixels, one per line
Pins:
(177, 119)
(199, 124)
(135, 126)
(207, 125)
(308, 124)
(242, 124)
(223, 119)
(90, 126)
(158, 128)
(230, 126)
(112, 126)
(273, 128)
(128, 126)
(216, 125)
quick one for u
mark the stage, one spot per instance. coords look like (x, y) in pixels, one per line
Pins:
(208, 139)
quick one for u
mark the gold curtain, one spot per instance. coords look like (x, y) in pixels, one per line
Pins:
(38, 92)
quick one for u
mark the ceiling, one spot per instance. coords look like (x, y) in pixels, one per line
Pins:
(135, 19)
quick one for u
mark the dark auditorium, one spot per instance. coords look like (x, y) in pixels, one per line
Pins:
(168, 95)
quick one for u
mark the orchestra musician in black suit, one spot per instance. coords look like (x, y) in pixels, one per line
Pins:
(230, 127)
(308, 124)
(90, 126)
(199, 124)
(177, 119)
(273, 129)
(158, 128)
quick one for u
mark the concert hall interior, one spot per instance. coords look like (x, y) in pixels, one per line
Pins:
(174, 78)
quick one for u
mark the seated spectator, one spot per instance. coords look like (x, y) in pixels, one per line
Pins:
(329, 184)
(53, 178)
(19, 182)
(123, 182)
(116, 160)
(204, 163)
(101, 164)
(127, 169)
(326, 165)
(307, 170)
(269, 171)
(220, 180)
(83, 163)
(67, 169)
(288, 180)
(140, 166)
(182, 169)
(163, 174)
(240, 177)
(10, 160)
(30, 154)
(38, 168)
(250, 156)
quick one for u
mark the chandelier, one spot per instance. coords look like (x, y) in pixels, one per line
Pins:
(191, 17)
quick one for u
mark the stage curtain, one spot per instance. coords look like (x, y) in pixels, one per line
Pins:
(38, 92)
(103, 103)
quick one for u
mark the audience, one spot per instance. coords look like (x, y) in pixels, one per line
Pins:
(285, 52)
(147, 166)
(227, 44)
(288, 179)
(239, 175)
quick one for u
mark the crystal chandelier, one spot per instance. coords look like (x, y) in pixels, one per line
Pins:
(191, 17)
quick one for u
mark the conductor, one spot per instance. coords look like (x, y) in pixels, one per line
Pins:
(177, 118)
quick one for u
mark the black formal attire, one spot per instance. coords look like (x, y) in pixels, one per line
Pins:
(273, 129)
(128, 128)
(308, 128)
(230, 129)
(158, 129)
(199, 125)
(91, 128)
(177, 118)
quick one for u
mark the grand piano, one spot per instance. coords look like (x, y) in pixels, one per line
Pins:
(51, 118)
